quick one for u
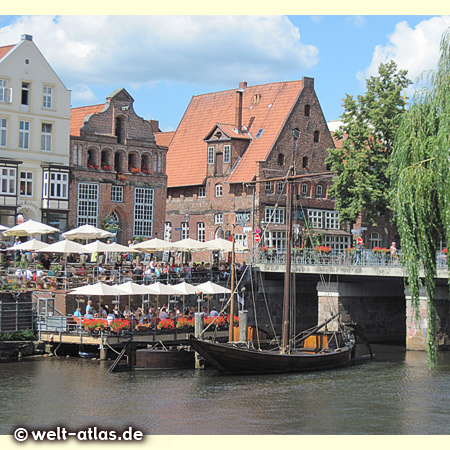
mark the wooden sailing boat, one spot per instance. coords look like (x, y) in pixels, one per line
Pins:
(313, 350)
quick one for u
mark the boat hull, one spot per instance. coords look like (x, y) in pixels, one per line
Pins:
(149, 359)
(235, 359)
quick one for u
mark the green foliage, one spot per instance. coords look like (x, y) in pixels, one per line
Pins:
(25, 335)
(367, 135)
(420, 175)
(111, 227)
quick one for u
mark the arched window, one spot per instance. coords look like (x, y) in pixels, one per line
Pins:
(319, 191)
(92, 162)
(305, 162)
(120, 130)
(118, 162)
(145, 163)
(305, 189)
(133, 163)
(316, 136)
(307, 110)
(375, 240)
(105, 159)
(281, 159)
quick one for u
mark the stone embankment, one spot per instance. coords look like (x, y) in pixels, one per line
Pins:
(10, 350)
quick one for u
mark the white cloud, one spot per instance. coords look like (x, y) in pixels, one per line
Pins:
(141, 50)
(356, 21)
(414, 49)
(82, 94)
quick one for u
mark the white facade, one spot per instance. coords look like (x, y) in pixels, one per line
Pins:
(34, 136)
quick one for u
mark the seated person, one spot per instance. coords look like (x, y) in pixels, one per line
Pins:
(81, 271)
(46, 262)
(77, 313)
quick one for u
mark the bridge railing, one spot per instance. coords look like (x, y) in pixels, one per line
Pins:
(365, 257)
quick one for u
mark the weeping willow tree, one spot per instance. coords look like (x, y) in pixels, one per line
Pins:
(420, 179)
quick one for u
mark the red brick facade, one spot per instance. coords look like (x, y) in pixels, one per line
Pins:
(114, 149)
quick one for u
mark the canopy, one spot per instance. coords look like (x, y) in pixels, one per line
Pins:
(131, 288)
(65, 246)
(161, 289)
(224, 245)
(87, 232)
(98, 289)
(3, 228)
(97, 246)
(190, 245)
(212, 288)
(29, 228)
(153, 245)
(33, 244)
(114, 247)
(185, 288)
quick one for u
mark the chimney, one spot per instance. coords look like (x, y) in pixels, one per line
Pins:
(238, 113)
(26, 37)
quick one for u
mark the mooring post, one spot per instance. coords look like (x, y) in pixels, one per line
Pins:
(198, 329)
(103, 350)
(243, 326)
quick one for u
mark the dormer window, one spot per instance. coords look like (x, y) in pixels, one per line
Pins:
(210, 155)
(319, 191)
(256, 99)
(305, 189)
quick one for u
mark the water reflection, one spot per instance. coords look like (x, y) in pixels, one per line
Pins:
(395, 394)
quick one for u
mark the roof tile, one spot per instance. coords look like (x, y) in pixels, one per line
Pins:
(5, 50)
(77, 116)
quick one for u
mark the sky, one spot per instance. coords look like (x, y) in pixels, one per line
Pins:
(163, 61)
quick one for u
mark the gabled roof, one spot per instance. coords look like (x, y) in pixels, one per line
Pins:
(77, 116)
(264, 107)
(230, 131)
(164, 138)
(5, 50)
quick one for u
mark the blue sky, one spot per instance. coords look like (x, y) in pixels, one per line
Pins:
(164, 60)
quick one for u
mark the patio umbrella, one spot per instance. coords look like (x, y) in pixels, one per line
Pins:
(32, 244)
(29, 228)
(97, 247)
(185, 289)
(161, 289)
(212, 288)
(114, 247)
(153, 245)
(190, 245)
(87, 232)
(133, 289)
(3, 228)
(224, 245)
(64, 247)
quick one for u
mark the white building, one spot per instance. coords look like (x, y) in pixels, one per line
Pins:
(34, 138)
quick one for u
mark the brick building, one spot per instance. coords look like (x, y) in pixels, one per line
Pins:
(228, 139)
(118, 170)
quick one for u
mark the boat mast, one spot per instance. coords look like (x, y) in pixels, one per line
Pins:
(231, 327)
(287, 276)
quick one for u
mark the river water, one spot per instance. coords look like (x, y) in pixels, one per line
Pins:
(394, 394)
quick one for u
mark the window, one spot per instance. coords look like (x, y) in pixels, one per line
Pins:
(241, 239)
(26, 184)
(280, 187)
(316, 136)
(226, 153)
(337, 243)
(305, 162)
(46, 137)
(25, 98)
(218, 218)
(24, 134)
(259, 133)
(268, 186)
(5, 93)
(117, 194)
(315, 218)
(168, 231)
(219, 190)
(8, 180)
(281, 159)
(202, 192)
(274, 215)
(184, 230)
(201, 232)
(3, 129)
(375, 240)
(87, 210)
(332, 220)
(305, 189)
(143, 212)
(210, 155)
(276, 240)
(47, 97)
(56, 185)
(307, 110)
(119, 130)
(319, 191)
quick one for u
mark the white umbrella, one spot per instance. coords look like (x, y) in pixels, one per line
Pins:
(225, 246)
(114, 247)
(185, 288)
(87, 232)
(153, 245)
(33, 244)
(190, 245)
(131, 288)
(161, 289)
(97, 289)
(30, 227)
(3, 228)
(212, 288)
(97, 246)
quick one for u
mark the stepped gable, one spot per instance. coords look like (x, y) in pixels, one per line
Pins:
(78, 115)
